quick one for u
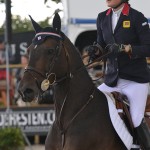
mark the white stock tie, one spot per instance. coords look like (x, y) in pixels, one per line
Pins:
(114, 21)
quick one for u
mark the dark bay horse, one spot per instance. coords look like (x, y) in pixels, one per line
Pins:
(82, 116)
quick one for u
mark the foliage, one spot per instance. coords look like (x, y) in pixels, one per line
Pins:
(57, 1)
(2, 104)
(44, 23)
(23, 25)
(20, 25)
(1, 1)
(11, 139)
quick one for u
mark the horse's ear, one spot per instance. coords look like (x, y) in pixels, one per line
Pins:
(35, 25)
(57, 22)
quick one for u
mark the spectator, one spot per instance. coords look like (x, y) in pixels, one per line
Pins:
(19, 74)
(94, 72)
(2, 74)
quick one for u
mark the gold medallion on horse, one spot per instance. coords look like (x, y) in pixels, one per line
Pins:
(45, 85)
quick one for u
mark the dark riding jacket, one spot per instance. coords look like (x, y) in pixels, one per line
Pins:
(132, 28)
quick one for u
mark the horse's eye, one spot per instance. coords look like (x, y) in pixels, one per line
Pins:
(50, 51)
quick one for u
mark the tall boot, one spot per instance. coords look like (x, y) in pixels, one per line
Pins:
(143, 135)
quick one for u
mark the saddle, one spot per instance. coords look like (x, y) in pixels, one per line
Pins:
(122, 105)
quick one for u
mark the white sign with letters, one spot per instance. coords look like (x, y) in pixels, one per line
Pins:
(31, 121)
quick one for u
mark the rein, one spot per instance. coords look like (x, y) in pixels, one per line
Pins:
(69, 75)
(88, 66)
(97, 59)
(63, 130)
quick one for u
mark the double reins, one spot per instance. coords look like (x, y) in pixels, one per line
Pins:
(46, 83)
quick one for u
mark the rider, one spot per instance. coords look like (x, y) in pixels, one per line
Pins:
(125, 33)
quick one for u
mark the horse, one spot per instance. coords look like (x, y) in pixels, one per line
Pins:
(82, 120)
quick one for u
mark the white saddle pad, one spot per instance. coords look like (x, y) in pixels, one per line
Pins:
(118, 123)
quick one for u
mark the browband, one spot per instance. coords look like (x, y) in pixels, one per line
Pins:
(48, 33)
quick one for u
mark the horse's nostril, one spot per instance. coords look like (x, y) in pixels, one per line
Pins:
(28, 94)
(28, 91)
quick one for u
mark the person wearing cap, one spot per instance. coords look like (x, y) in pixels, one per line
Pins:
(124, 33)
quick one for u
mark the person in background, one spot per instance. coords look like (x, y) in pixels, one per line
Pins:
(124, 33)
(3, 84)
(24, 62)
(2, 52)
(19, 74)
(94, 72)
(2, 74)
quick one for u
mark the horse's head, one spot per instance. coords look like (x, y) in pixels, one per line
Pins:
(45, 63)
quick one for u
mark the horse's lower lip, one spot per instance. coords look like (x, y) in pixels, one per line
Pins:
(25, 99)
(38, 98)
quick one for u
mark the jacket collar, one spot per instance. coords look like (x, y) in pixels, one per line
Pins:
(125, 10)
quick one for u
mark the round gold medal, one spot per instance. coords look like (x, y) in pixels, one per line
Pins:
(45, 85)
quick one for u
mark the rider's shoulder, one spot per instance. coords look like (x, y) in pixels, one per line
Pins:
(103, 13)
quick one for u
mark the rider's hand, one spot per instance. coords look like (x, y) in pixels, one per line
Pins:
(127, 49)
(93, 52)
(115, 48)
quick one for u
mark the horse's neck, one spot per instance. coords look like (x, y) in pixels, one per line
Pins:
(80, 82)
(75, 92)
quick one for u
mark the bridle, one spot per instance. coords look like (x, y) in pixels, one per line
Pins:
(46, 83)
(32, 71)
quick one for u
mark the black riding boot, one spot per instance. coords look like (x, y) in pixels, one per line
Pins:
(143, 135)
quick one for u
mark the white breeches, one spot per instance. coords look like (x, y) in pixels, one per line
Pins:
(137, 96)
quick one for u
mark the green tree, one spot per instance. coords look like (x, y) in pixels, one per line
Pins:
(57, 1)
(23, 25)
(1, 1)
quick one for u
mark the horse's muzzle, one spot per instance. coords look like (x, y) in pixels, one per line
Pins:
(27, 95)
